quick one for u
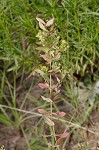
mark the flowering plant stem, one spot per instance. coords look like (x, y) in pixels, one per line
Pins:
(51, 105)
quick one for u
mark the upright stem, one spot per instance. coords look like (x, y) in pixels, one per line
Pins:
(50, 87)
(51, 105)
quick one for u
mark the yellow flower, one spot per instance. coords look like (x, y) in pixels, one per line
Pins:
(63, 42)
(44, 68)
(63, 45)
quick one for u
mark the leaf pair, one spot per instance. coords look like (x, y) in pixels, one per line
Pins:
(61, 137)
(43, 25)
(47, 119)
